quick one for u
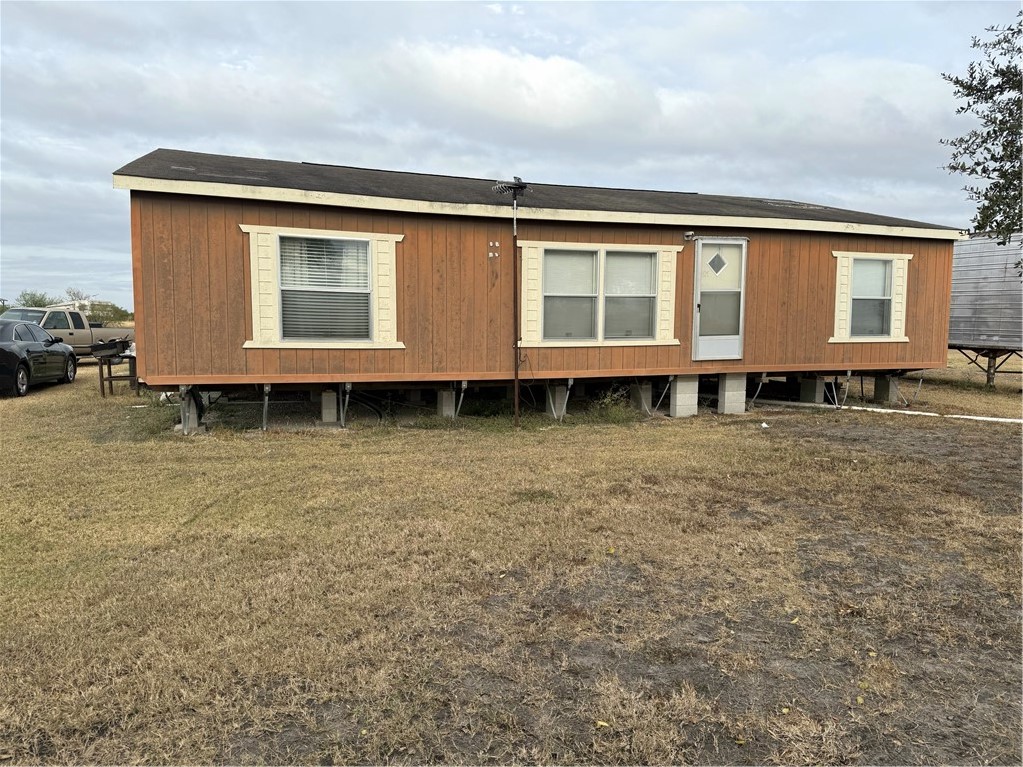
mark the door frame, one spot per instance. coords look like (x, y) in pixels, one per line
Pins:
(718, 347)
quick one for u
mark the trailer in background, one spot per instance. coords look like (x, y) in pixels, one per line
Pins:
(986, 315)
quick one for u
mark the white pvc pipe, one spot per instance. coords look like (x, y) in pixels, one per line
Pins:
(986, 418)
(991, 419)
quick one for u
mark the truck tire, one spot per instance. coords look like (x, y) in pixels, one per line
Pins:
(70, 369)
(21, 381)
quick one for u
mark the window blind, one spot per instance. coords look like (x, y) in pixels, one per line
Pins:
(322, 314)
(871, 279)
(570, 273)
(324, 264)
(325, 288)
(629, 274)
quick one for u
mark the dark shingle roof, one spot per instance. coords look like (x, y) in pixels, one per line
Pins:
(176, 165)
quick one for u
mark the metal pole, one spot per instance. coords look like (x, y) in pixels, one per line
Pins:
(515, 187)
(183, 394)
(266, 403)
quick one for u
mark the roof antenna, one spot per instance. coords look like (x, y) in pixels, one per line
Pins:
(515, 188)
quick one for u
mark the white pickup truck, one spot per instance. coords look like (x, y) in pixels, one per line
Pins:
(71, 326)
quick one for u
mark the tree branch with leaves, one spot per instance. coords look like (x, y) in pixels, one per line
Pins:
(990, 155)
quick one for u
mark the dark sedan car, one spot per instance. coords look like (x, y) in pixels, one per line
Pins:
(30, 355)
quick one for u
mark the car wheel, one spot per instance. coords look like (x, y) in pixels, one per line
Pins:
(70, 369)
(21, 381)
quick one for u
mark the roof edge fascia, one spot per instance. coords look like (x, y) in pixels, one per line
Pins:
(393, 204)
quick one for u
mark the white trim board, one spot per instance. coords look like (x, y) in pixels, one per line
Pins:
(525, 214)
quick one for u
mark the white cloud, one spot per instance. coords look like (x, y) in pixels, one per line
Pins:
(824, 104)
(837, 103)
(497, 88)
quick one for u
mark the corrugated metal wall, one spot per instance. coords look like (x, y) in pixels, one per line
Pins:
(987, 294)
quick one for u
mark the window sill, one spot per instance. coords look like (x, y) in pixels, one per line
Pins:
(869, 340)
(367, 345)
(590, 343)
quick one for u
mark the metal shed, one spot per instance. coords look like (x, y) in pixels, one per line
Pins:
(986, 314)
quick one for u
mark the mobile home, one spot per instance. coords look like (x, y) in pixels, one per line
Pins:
(270, 273)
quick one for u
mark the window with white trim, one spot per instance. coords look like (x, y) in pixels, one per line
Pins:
(328, 289)
(870, 297)
(577, 294)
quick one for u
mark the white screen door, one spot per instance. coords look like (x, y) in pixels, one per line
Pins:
(718, 299)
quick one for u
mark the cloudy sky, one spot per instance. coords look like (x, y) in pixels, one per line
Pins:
(828, 102)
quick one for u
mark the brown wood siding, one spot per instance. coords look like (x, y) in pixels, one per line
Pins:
(138, 285)
(454, 301)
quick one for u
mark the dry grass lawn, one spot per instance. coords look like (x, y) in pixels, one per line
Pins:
(836, 588)
(961, 388)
